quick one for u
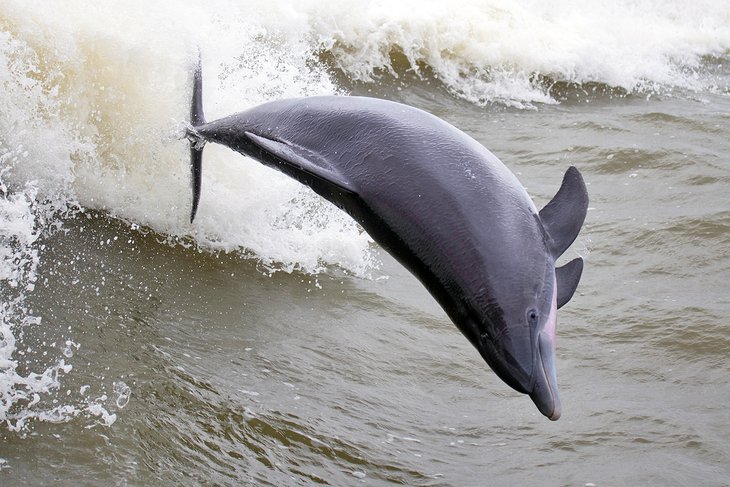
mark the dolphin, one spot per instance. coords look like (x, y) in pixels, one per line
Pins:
(440, 203)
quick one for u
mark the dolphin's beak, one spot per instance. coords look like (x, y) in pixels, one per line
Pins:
(545, 391)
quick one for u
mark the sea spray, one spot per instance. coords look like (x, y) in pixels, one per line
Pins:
(21, 223)
(35, 194)
(123, 93)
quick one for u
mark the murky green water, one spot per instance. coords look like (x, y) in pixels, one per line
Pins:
(237, 375)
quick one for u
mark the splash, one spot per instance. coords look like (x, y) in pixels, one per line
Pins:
(26, 394)
(91, 102)
(35, 195)
(120, 90)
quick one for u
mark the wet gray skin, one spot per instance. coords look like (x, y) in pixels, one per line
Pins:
(440, 203)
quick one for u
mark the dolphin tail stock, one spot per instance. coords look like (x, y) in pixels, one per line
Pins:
(197, 143)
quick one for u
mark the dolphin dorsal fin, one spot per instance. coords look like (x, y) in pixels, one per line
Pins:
(568, 277)
(563, 216)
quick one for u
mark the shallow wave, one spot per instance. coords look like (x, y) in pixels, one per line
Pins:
(110, 98)
(522, 53)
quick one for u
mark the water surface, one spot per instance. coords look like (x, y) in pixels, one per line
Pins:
(271, 343)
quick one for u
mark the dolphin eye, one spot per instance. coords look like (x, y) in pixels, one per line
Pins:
(532, 316)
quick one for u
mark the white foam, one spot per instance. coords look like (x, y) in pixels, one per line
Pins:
(35, 187)
(120, 84)
(500, 50)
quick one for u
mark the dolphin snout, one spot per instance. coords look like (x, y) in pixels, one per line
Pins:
(545, 393)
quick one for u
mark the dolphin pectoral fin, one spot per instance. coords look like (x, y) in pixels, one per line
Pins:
(563, 216)
(301, 159)
(568, 277)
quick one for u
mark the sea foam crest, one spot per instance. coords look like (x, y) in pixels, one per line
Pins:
(122, 85)
(512, 52)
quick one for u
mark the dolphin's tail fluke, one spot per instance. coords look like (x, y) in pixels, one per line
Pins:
(196, 142)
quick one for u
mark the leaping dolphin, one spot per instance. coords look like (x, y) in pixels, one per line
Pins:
(440, 203)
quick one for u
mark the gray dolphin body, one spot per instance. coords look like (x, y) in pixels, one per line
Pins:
(441, 204)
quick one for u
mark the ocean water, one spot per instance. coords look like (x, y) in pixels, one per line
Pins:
(272, 342)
